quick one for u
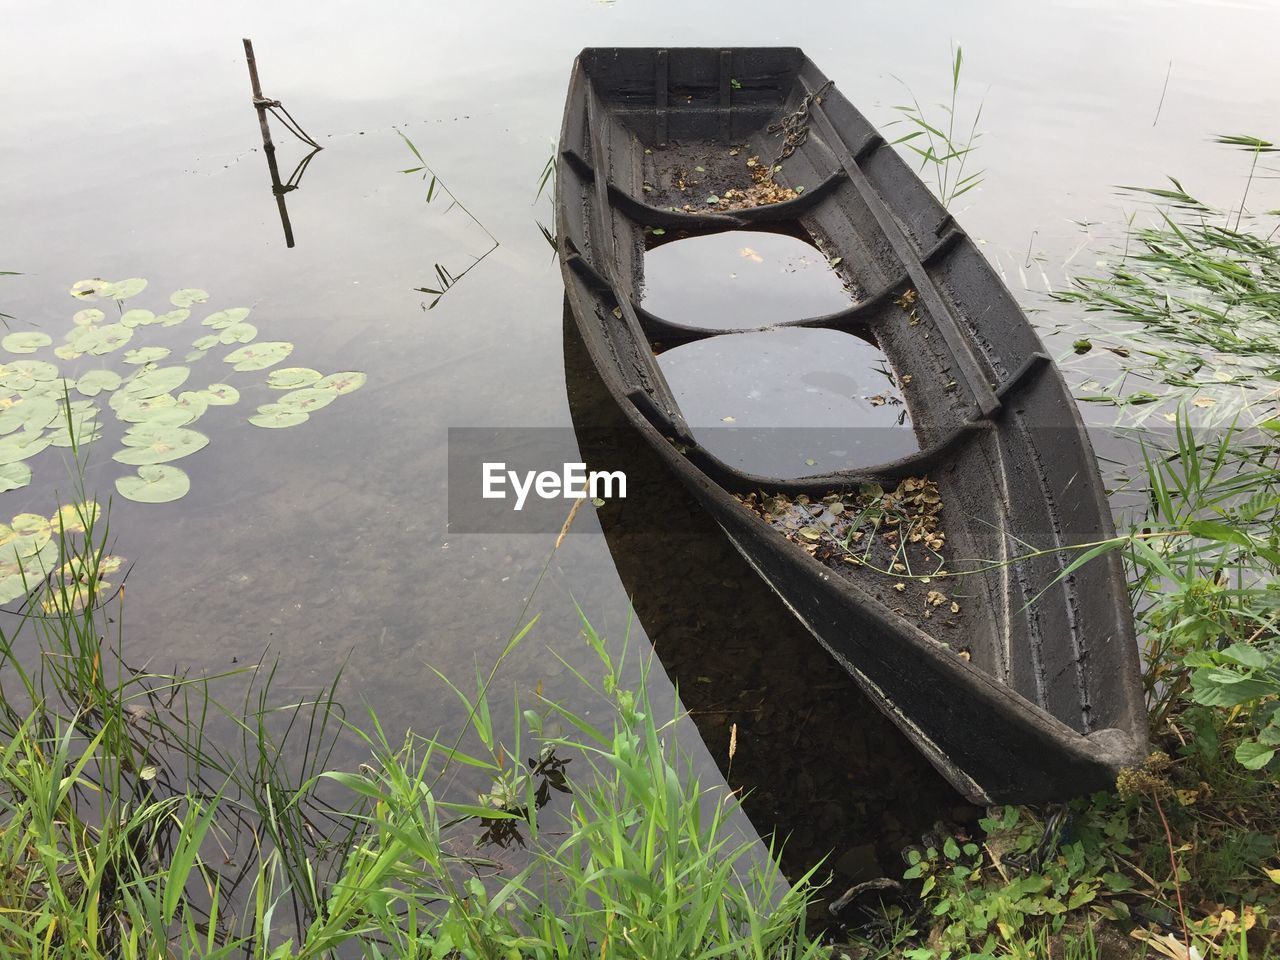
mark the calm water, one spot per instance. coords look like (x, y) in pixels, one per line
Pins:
(131, 150)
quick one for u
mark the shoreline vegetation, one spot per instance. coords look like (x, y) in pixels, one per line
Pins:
(128, 830)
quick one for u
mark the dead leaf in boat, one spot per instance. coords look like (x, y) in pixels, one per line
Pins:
(749, 254)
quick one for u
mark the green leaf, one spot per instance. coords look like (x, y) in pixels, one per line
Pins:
(20, 446)
(344, 383)
(145, 355)
(88, 317)
(173, 317)
(221, 394)
(152, 383)
(188, 296)
(89, 289)
(259, 356)
(155, 483)
(308, 399)
(275, 416)
(137, 318)
(148, 444)
(1253, 755)
(14, 476)
(103, 340)
(206, 343)
(225, 318)
(95, 381)
(238, 333)
(291, 378)
(28, 341)
(123, 289)
(29, 413)
(1213, 530)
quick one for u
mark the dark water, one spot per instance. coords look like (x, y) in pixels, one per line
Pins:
(131, 150)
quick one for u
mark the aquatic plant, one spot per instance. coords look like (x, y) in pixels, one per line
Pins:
(145, 393)
(942, 145)
(445, 278)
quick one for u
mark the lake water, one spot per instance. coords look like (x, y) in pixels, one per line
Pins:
(132, 150)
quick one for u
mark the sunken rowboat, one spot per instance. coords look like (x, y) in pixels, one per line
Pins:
(1028, 688)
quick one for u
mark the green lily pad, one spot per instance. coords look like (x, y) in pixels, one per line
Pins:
(16, 380)
(308, 399)
(12, 477)
(19, 446)
(152, 383)
(146, 354)
(187, 296)
(291, 378)
(29, 413)
(65, 351)
(238, 333)
(206, 343)
(123, 289)
(135, 409)
(343, 383)
(259, 356)
(275, 416)
(155, 483)
(28, 341)
(145, 445)
(95, 381)
(193, 355)
(84, 428)
(194, 402)
(173, 317)
(103, 340)
(137, 318)
(178, 415)
(89, 289)
(225, 318)
(39, 370)
(88, 317)
(221, 394)
(57, 388)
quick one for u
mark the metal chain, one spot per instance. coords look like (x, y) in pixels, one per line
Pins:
(794, 127)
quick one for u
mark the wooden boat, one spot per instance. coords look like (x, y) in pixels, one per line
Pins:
(1030, 689)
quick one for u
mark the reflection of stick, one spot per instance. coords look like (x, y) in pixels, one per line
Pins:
(260, 104)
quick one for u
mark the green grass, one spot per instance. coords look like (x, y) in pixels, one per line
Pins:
(125, 832)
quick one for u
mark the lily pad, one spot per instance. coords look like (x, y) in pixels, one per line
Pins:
(308, 399)
(343, 383)
(155, 483)
(221, 394)
(238, 333)
(14, 476)
(194, 402)
(147, 445)
(85, 427)
(225, 318)
(146, 354)
(135, 409)
(95, 381)
(38, 370)
(259, 356)
(28, 341)
(29, 413)
(167, 417)
(173, 317)
(206, 343)
(193, 355)
(291, 378)
(187, 296)
(152, 383)
(89, 289)
(19, 446)
(275, 416)
(88, 317)
(123, 289)
(65, 351)
(137, 318)
(105, 339)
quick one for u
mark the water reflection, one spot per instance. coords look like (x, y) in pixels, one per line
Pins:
(791, 402)
(740, 279)
(263, 105)
(813, 759)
